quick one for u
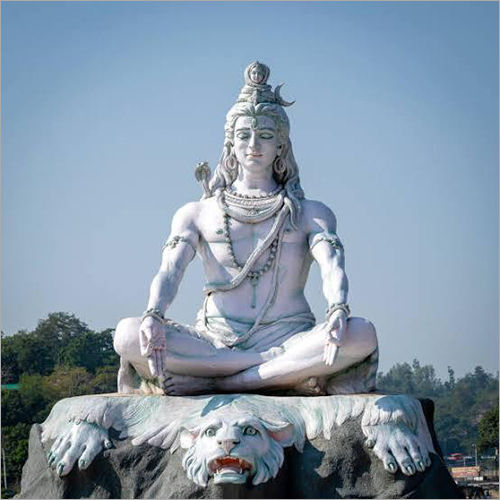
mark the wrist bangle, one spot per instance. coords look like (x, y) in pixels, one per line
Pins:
(153, 313)
(336, 307)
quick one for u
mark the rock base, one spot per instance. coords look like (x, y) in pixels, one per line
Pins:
(339, 467)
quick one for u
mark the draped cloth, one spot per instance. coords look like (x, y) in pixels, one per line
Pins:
(235, 333)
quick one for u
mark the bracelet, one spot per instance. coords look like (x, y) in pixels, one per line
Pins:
(153, 313)
(336, 307)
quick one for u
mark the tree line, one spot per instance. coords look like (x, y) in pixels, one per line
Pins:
(62, 358)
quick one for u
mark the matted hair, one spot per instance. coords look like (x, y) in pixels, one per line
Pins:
(285, 168)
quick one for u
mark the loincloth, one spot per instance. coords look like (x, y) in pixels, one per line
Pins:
(227, 332)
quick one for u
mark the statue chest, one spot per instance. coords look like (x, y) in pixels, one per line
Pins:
(243, 238)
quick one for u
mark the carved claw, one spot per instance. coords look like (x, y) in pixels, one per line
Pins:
(391, 467)
(420, 465)
(409, 470)
(370, 443)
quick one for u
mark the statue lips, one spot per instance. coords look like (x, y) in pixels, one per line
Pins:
(230, 470)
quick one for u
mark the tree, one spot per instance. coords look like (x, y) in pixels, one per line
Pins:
(11, 347)
(104, 381)
(488, 429)
(61, 338)
(15, 444)
(417, 380)
(90, 350)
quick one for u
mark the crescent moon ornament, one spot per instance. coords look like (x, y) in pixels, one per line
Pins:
(279, 99)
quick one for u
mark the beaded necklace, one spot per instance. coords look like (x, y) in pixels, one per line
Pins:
(251, 210)
(259, 208)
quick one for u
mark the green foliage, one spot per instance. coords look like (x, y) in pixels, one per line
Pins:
(105, 380)
(90, 350)
(488, 429)
(60, 339)
(15, 444)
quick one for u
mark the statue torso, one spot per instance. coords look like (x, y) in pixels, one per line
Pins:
(293, 265)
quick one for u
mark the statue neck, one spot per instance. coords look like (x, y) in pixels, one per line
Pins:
(254, 183)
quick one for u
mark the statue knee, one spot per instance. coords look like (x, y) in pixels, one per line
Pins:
(371, 336)
(363, 333)
(126, 335)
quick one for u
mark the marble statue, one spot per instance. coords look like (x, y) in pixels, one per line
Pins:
(235, 438)
(257, 236)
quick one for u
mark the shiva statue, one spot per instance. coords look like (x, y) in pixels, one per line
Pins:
(257, 236)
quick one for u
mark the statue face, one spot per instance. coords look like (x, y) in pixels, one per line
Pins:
(256, 75)
(255, 142)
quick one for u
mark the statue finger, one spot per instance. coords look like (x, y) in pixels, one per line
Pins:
(163, 357)
(54, 447)
(144, 343)
(70, 457)
(92, 449)
(390, 466)
(404, 461)
(152, 365)
(416, 456)
(159, 362)
(326, 353)
(334, 353)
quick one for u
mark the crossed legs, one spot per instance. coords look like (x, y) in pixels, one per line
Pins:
(195, 366)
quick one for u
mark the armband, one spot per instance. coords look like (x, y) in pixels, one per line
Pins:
(175, 240)
(331, 238)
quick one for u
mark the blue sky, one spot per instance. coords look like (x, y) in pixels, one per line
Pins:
(107, 107)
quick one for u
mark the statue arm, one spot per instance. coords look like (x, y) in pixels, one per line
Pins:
(178, 252)
(328, 252)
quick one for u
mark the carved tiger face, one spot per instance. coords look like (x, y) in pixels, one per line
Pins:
(234, 448)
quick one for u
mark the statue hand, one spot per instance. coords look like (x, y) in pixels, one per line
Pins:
(81, 441)
(153, 344)
(335, 329)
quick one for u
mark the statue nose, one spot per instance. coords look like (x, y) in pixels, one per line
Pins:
(227, 444)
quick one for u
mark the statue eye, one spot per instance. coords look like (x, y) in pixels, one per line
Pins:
(210, 432)
(266, 135)
(243, 136)
(250, 431)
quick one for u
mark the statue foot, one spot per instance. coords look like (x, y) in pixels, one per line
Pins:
(312, 386)
(184, 385)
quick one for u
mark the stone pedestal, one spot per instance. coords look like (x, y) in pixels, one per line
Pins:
(334, 450)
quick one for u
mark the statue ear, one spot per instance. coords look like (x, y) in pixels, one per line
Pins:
(283, 432)
(188, 437)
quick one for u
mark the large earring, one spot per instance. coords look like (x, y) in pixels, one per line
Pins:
(231, 162)
(279, 166)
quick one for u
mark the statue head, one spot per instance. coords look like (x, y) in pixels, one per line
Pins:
(234, 447)
(256, 100)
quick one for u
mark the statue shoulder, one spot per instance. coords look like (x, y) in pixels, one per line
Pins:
(187, 215)
(317, 216)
